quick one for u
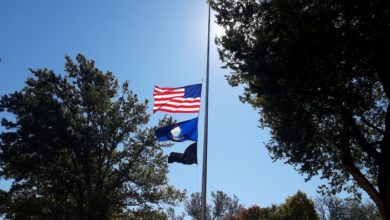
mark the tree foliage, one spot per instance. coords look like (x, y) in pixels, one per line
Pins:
(171, 215)
(256, 212)
(334, 208)
(296, 207)
(193, 205)
(221, 207)
(318, 73)
(77, 147)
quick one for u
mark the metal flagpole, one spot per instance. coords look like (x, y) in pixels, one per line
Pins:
(204, 171)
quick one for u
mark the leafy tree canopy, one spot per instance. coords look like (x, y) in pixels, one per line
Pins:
(296, 207)
(77, 147)
(221, 207)
(334, 208)
(318, 73)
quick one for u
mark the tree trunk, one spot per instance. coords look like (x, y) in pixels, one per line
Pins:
(384, 189)
(384, 175)
(378, 195)
(384, 178)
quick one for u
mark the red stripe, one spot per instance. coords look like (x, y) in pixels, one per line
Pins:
(175, 111)
(176, 100)
(164, 88)
(163, 109)
(174, 108)
(169, 93)
(197, 105)
(177, 106)
(156, 90)
(167, 89)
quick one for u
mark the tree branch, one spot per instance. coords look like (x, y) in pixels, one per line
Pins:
(361, 139)
(383, 177)
(124, 172)
(362, 181)
(364, 120)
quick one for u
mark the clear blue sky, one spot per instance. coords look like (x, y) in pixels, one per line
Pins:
(152, 43)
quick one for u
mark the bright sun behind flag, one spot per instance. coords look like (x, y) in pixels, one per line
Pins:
(177, 100)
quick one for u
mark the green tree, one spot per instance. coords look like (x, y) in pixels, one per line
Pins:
(222, 206)
(147, 214)
(256, 213)
(318, 73)
(77, 147)
(296, 207)
(192, 206)
(334, 208)
(330, 208)
(172, 215)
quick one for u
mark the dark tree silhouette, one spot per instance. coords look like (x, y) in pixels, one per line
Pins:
(318, 73)
(76, 147)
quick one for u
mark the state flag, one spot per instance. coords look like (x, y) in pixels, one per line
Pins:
(179, 132)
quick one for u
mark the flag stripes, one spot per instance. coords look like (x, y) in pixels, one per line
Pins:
(173, 100)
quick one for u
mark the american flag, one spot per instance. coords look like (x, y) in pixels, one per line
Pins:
(177, 100)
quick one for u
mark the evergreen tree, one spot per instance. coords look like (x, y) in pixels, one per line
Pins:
(77, 147)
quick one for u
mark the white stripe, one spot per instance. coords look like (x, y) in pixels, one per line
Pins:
(176, 109)
(159, 90)
(179, 99)
(160, 103)
(177, 103)
(180, 95)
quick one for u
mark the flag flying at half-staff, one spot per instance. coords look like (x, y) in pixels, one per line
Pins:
(188, 157)
(177, 100)
(184, 99)
(179, 132)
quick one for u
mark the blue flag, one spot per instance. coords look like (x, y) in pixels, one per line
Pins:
(182, 131)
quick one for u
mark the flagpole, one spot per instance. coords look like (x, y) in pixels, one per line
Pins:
(204, 171)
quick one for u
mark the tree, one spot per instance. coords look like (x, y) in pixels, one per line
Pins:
(172, 215)
(334, 208)
(296, 207)
(147, 214)
(222, 206)
(330, 208)
(192, 206)
(256, 212)
(78, 148)
(318, 73)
